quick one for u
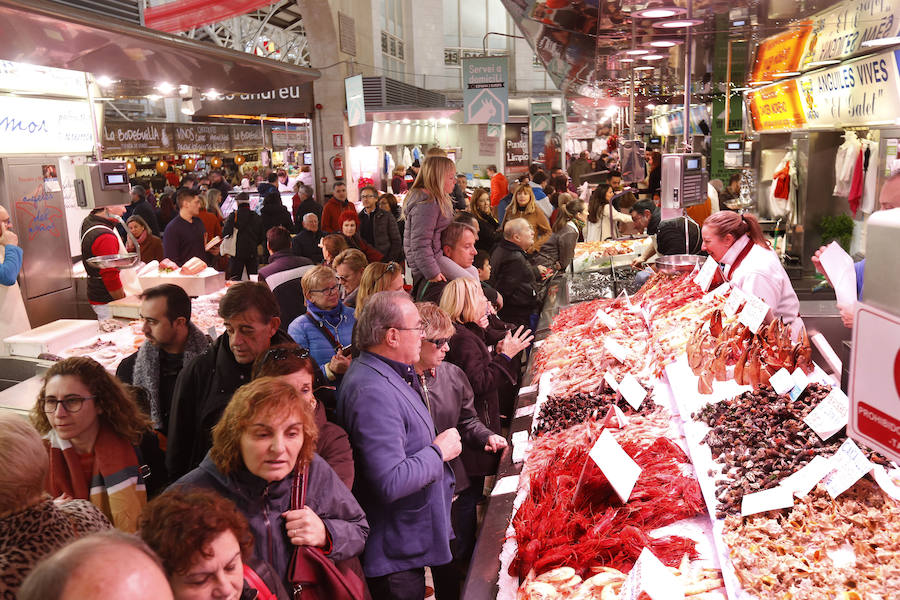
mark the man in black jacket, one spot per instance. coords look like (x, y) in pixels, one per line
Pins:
(205, 385)
(140, 207)
(378, 227)
(172, 341)
(514, 276)
(283, 274)
(459, 192)
(306, 205)
(306, 242)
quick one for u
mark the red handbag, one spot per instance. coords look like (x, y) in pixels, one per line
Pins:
(313, 575)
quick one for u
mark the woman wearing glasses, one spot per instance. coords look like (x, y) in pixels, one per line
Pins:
(464, 301)
(293, 364)
(349, 266)
(378, 277)
(450, 401)
(327, 327)
(265, 439)
(101, 447)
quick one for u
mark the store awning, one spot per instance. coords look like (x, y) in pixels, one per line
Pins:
(59, 36)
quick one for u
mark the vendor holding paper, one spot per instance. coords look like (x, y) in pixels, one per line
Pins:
(737, 243)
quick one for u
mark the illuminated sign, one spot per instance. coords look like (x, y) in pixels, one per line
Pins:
(776, 107)
(780, 54)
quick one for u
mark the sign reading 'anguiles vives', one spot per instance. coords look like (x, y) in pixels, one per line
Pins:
(864, 91)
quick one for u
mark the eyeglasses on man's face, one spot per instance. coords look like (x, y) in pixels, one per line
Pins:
(368, 196)
(72, 403)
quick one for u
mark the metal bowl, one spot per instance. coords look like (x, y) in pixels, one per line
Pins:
(679, 263)
(114, 261)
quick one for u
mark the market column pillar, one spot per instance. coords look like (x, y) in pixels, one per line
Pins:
(328, 93)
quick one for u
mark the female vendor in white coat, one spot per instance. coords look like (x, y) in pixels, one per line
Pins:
(737, 243)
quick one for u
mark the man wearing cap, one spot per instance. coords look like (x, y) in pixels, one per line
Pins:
(140, 207)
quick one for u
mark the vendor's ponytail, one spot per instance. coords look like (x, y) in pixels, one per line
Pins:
(727, 222)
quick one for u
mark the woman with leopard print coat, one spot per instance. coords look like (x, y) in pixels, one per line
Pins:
(32, 524)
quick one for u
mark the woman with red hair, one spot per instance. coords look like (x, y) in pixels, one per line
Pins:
(350, 229)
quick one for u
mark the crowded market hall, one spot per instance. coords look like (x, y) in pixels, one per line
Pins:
(452, 299)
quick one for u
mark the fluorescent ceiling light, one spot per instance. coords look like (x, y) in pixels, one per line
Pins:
(105, 81)
(651, 106)
(658, 12)
(165, 87)
(154, 97)
(644, 68)
(761, 82)
(405, 121)
(637, 52)
(678, 23)
(626, 60)
(663, 43)
(653, 57)
(785, 74)
(823, 63)
(888, 41)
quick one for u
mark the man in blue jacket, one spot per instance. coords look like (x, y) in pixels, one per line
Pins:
(404, 482)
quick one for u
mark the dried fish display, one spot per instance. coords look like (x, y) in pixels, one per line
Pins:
(847, 548)
(601, 284)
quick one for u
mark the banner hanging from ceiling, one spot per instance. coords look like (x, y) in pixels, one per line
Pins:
(485, 89)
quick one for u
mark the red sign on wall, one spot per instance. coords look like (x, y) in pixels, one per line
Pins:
(338, 139)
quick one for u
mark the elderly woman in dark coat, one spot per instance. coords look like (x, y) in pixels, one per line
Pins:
(464, 301)
(265, 432)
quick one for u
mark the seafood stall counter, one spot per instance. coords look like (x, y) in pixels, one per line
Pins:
(731, 413)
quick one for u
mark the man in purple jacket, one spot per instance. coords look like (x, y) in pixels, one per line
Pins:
(404, 482)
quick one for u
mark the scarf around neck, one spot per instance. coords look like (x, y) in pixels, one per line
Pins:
(332, 317)
(116, 486)
(146, 366)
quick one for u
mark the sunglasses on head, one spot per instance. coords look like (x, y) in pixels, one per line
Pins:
(391, 268)
(276, 354)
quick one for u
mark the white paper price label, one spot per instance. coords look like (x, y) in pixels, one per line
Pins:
(754, 313)
(801, 380)
(632, 391)
(524, 411)
(707, 272)
(616, 349)
(521, 445)
(606, 319)
(806, 478)
(615, 411)
(830, 415)
(619, 468)
(773, 499)
(722, 289)
(507, 485)
(781, 381)
(528, 389)
(610, 379)
(849, 464)
(733, 302)
(650, 576)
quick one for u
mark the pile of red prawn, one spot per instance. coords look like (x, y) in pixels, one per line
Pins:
(653, 326)
(554, 528)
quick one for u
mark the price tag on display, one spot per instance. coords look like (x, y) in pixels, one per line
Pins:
(754, 313)
(611, 380)
(507, 485)
(632, 391)
(528, 389)
(830, 415)
(524, 411)
(733, 302)
(773, 499)
(782, 381)
(615, 412)
(849, 464)
(651, 577)
(805, 479)
(606, 319)
(616, 349)
(521, 445)
(619, 468)
(707, 272)
(800, 379)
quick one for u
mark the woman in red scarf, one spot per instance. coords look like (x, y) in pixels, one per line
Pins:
(102, 447)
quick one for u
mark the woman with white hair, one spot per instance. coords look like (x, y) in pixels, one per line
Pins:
(32, 525)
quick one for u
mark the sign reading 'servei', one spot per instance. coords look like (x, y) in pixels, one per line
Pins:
(863, 91)
(485, 91)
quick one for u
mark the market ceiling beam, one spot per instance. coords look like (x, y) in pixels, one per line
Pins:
(43, 33)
